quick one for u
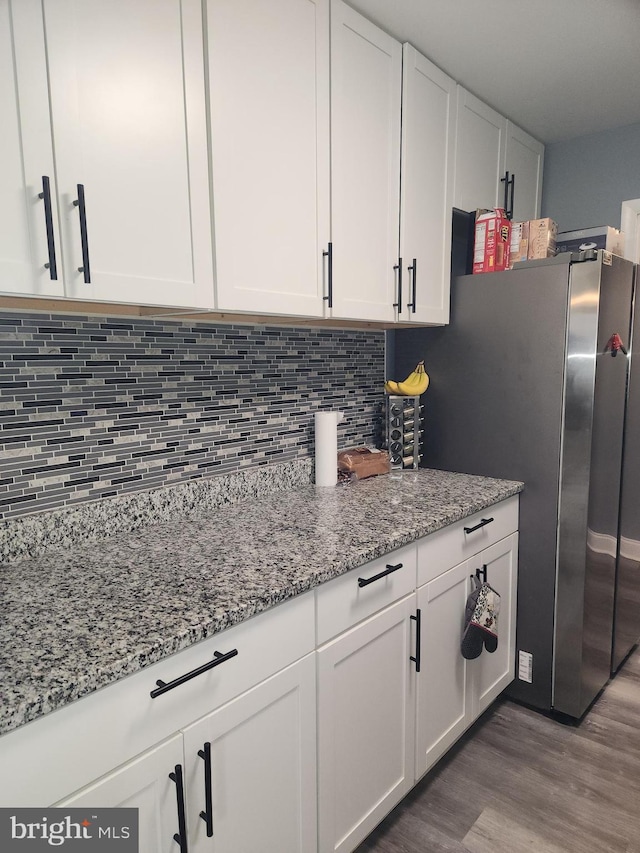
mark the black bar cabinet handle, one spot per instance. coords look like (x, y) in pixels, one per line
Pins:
(478, 526)
(180, 837)
(207, 814)
(79, 203)
(413, 269)
(387, 571)
(418, 620)
(481, 574)
(45, 195)
(505, 181)
(218, 658)
(329, 256)
(513, 192)
(398, 304)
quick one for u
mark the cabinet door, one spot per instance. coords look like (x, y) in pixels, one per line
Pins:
(366, 81)
(491, 673)
(428, 140)
(26, 155)
(444, 705)
(365, 726)
(263, 768)
(524, 159)
(480, 148)
(268, 67)
(144, 784)
(128, 113)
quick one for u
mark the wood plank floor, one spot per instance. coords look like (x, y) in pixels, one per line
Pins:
(519, 781)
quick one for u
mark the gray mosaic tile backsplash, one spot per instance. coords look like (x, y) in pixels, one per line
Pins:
(92, 407)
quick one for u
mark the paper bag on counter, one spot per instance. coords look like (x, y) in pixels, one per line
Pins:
(362, 462)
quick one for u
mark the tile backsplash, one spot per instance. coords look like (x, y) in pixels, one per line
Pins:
(92, 407)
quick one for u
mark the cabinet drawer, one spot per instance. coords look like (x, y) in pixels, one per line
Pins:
(445, 548)
(58, 754)
(361, 592)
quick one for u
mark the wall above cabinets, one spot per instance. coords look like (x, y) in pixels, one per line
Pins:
(185, 156)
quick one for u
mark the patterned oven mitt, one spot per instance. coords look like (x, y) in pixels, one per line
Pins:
(480, 621)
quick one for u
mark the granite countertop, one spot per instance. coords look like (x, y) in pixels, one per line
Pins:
(76, 620)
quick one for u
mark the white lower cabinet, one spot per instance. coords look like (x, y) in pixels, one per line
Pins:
(241, 779)
(451, 691)
(365, 726)
(491, 673)
(394, 692)
(143, 783)
(259, 752)
(443, 704)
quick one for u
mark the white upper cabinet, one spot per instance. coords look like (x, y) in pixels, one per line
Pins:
(428, 150)
(480, 147)
(284, 158)
(524, 160)
(268, 73)
(129, 128)
(26, 158)
(366, 80)
(496, 163)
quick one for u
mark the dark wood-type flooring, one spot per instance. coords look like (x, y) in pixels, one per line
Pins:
(520, 781)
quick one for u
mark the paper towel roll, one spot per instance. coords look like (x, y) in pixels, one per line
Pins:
(326, 442)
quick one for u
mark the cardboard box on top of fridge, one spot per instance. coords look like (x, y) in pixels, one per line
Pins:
(542, 238)
(519, 248)
(492, 241)
(603, 237)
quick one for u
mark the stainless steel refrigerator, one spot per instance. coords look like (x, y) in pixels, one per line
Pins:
(626, 631)
(529, 382)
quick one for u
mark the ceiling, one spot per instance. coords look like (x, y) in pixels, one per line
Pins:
(558, 68)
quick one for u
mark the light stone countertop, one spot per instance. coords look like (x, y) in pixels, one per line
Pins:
(76, 620)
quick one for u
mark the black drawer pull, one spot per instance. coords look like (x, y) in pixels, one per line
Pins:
(218, 658)
(418, 620)
(207, 814)
(180, 837)
(387, 571)
(478, 526)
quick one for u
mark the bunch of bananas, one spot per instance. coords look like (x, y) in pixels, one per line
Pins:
(415, 384)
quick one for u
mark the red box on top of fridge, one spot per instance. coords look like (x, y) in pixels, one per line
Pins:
(492, 241)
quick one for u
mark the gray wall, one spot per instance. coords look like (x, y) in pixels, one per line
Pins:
(587, 179)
